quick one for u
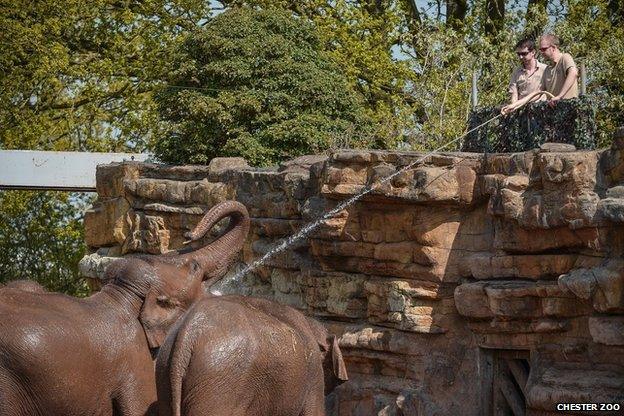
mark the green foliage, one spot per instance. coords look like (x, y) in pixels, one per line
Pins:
(41, 238)
(76, 75)
(595, 36)
(363, 37)
(414, 68)
(82, 75)
(255, 84)
(443, 60)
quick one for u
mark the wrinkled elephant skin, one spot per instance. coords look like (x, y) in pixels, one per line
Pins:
(64, 356)
(239, 356)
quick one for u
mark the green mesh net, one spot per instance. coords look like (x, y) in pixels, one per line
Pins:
(571, 121)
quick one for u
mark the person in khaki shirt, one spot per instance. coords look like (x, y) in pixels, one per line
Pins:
(560, 76)
(527, 77)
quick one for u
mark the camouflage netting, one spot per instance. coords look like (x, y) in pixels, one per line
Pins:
(571, 121)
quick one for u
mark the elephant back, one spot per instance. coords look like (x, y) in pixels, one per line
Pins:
(334, 368)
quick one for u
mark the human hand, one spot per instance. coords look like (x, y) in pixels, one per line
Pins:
(553, 101)
(507, 109)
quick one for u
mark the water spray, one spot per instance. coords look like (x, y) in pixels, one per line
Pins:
(330, 214)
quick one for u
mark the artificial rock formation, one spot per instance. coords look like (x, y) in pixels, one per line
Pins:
(470, 284)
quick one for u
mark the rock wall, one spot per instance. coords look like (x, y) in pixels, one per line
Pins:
(470, 284)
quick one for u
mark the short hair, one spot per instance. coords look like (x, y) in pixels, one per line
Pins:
(552, 39)
(526, 43)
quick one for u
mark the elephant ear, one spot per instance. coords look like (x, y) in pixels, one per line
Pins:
(166, 301)
(151, 314)
(338, 365)
(334, 369)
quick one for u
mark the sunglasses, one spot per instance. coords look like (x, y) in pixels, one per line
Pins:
(544, 49)
(523, 53)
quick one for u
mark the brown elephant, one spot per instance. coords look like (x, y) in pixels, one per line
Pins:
(64, 356)
(26, 285)
(242, 356)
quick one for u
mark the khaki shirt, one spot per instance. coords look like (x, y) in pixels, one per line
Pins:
(555, 75)
(524, 83)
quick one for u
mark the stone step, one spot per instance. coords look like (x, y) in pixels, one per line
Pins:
(569, 384)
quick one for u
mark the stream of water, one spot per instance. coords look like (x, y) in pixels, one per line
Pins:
(285, 243)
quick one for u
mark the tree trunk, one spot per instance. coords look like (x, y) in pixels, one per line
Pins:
(536, 18)
(495, 21)
(616, 11)
(413, 10)
(456, 13)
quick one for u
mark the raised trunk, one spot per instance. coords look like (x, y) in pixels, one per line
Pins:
(215, 258)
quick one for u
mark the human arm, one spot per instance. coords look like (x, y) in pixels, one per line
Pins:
(514, 105)
(531, 97)
(514, 94)
(570, 80)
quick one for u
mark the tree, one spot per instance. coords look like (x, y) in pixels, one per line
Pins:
(536, 18)
(256, 84)
(41, 238)
(456, 13)
(76, 75)
(495, 22)
(364, 36)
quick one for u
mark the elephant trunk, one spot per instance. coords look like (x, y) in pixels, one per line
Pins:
(216, 257)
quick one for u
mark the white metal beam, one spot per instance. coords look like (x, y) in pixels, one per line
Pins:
(61, 171)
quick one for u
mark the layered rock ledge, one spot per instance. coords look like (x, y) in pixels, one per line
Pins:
(468, 284)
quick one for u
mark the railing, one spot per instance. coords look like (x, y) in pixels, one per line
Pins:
(570, 121)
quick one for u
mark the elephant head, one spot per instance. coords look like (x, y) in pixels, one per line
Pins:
(168, 299)
(159, 292)
(168, 284)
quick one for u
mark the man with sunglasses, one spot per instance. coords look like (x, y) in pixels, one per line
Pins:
(560, 76)
(527, 77)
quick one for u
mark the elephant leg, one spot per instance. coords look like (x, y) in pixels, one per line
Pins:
(215, 407)
(135, 402)
(315, 401)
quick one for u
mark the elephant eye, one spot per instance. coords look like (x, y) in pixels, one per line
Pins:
(166, 302)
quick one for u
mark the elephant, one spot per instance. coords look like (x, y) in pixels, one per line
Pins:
(65, 356)
(242, 356)
(26, 285)
(211, 257)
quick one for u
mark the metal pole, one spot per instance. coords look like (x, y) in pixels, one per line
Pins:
(583, 79)
(475, 99)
